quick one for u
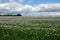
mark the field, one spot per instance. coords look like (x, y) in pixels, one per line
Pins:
(29, 28)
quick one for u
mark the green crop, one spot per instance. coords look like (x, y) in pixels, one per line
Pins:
(29, 29)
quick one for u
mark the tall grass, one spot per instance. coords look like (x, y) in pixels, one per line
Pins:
(25, 29)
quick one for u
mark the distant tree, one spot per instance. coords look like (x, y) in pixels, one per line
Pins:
(12, 15)
(19, 15)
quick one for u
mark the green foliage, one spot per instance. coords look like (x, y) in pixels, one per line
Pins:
(29, 29)
(19, 15)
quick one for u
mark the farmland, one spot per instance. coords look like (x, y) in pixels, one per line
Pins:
(29, 28)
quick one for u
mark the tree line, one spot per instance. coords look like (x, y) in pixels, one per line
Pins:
(12, 15)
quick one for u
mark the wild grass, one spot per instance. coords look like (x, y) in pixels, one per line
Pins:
(12, 28)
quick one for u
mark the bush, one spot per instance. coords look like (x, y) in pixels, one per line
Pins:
(19, 15)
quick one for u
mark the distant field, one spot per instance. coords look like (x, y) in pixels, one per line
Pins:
(29, 28)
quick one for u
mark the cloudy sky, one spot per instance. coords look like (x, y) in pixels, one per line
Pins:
(30, 7)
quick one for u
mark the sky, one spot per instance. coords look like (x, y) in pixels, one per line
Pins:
(30, 7)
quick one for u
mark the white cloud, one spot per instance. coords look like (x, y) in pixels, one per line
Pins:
(47, 7)
(16, 7)
(18, 1)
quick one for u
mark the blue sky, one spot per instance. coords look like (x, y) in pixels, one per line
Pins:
(30, 7)
(34, 2)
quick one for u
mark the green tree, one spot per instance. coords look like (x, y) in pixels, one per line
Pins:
(19, 15)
